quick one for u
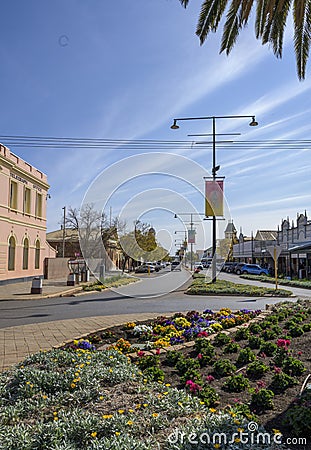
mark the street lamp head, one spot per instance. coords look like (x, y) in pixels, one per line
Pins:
(175, 126)
(253, 123)
(215, 169)
(175, 216)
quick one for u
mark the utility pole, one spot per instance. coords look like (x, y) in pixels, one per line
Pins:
(64, 231)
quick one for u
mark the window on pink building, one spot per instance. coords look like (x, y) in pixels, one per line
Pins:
(25, 254)
(37, 255)
(27, 201)
(11, 254)
(38, 205)
(13, 195)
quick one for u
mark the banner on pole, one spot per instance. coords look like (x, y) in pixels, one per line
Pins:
(191, 236)
(214, 198)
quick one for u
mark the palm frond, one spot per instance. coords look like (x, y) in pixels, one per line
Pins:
(302, 34)
(275, 24)
(210, 16)
(261, 17)
(231, 27)
(184, 3)
(246, 10)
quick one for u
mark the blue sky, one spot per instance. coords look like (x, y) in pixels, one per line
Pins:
(124, 70)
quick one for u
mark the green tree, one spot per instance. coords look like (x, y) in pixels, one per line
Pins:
(270, 21)
(140, 244)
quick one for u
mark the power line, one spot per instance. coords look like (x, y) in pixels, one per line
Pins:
(147, 144)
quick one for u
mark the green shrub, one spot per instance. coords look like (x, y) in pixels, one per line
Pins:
(297, 418)
(269, 334)
(191, 374)
(242, 333)
(204, 346)
(223, 367)
(236, 383)
(172, 356)
(256, 369)
(273, 318)
(208, 395)
(279, 356)
(255, 328)
(295, 331)
(306, 327)
(262, 399)
(281, 381)
(184, 364)
(204, 360)
(232, 347)
(293, 366)
(245, 356)
(221, 339)
(148, 361)
(268, 348)
(255, 342)
(154, 374)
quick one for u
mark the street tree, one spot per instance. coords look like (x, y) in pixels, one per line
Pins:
(270, 22)
(140, 244)
(97, 234)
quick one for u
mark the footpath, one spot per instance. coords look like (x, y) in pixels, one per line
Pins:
(17, 342)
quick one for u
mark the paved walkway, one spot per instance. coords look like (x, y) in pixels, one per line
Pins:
(18, 342)
(50, 288)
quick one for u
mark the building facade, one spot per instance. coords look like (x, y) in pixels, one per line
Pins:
(295, 240)
(23, 196)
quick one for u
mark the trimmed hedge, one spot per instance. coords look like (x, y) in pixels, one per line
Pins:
(221, 287)
(283, 281)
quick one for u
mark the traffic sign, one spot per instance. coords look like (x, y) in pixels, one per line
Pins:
(274, 250)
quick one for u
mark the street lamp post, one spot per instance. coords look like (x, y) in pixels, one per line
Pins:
(215, 169)
(64, 231)
(191, 229)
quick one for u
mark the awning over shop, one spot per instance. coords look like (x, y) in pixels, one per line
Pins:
(305, 247)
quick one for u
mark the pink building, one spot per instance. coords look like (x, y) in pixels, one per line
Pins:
(23, 195)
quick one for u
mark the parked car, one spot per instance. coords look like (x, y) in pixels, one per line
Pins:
(157, 266)
(206, 262)
(198, 266)
(145, 268)
(253, 269)
(228, 267)
(237, 268)
(176, 265)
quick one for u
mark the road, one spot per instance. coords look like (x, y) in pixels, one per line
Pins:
(152, 294)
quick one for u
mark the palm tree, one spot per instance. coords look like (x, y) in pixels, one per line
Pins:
(270, 22)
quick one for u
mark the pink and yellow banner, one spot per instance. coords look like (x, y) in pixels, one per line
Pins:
(214, 198)
(191, 236)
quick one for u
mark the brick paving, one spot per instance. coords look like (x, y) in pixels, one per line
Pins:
(18, 342)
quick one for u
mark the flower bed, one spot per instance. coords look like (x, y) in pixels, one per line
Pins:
(165, 331)
(77, 397)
